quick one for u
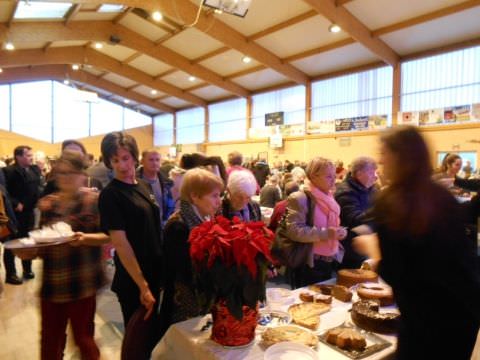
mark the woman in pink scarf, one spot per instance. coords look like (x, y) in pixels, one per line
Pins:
(313, 216)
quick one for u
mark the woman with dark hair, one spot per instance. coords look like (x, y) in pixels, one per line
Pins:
(130, 215)
(423, 254)
(212, 163)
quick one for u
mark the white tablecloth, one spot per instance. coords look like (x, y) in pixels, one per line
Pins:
(185, 340)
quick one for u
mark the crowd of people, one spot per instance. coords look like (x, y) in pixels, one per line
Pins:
(147, 208)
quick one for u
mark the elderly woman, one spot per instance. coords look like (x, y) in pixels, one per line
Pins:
(241, 186)
(313, 217)
(199, 201)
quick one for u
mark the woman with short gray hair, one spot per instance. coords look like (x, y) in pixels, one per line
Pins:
(241, 186)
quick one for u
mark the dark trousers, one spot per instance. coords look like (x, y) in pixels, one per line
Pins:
(55, 317)
(129, 303)
(321, 271)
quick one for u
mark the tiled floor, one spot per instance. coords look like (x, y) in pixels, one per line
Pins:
(20, 322)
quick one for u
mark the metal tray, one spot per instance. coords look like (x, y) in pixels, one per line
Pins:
(374, 343)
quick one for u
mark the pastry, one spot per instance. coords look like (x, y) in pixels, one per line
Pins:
(365, 315)
(321, 288)
(308, 314)
(350, 277)
(347, 339)
(289, 333)
(308, 297)
(342, 293)
(375, 291)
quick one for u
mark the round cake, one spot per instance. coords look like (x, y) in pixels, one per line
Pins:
(350, 277)
(365, 315)
(375, 291)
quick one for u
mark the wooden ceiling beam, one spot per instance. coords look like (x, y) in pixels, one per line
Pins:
(47, 46)
(342, 2)
(132, 57)
(449, 10)
(82, 55)
(120, 16)
(220, 31)
(321, 49)
(102, 31)
(74, 9)
(12, 13)
(349, 23)
(61, 72)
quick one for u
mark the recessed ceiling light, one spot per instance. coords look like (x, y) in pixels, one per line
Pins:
(9, 46)
(334, 28)
(246, 59)
(1, 70)
(192, 78)
(218, 11)
(66, 82)
(153, 92)
(98, 45)
(157, 16)
(126, 101)
(75, 67)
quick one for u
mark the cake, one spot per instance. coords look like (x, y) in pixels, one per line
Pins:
(308, 314)
(365, 314)
(346, 338)
(289, 333)
(350, 277)
(375, 291)
(309, 297)
(342, 293)
(321, 288)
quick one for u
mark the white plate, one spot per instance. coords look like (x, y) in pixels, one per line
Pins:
(288, 350)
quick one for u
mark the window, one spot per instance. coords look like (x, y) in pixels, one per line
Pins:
(227, 120)
(32, 109)
(190, 126)
(70, 116)
(290, 100)
(105, 117)
(361, 94)
(440, 81)
(133, 119)
(5, 107)
(163, 130)
(41, 10)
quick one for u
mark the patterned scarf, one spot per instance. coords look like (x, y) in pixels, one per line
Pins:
(189, 214)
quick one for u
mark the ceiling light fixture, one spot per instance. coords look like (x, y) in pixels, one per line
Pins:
(75, 67)
(192, 78)
(218, 11)
(126, 101)
(234, 7)
(1, 70)
(157, 16)
(66, 82)
(334, 28)
(98, 45)
(246, 59)
(9, 46)
(154, 92)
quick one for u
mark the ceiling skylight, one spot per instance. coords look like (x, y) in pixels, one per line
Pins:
(41, 10)
(107, 8)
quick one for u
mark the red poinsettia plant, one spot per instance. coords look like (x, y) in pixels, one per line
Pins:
(230, 259)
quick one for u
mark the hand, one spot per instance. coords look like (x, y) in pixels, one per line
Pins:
(447, 182)
(341, 233)
(147, 300)
(26, 254)
(19, 207)
(368, 245)
(78, 238)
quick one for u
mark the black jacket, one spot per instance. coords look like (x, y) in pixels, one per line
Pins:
(23, 187)
(355, 200)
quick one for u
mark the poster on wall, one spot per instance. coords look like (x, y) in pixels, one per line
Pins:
(321, 127)
(423, 118)
(292, 130)
(461, 113)
(435, 116)
(275, 118)
(408, 118)
(448, 115)
(343, 124)
(475, 112)
(360, 123)
(376, 122)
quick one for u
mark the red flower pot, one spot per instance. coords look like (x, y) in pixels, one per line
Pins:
(227, 330)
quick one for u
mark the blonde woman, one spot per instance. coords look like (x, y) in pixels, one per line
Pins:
(313, 216)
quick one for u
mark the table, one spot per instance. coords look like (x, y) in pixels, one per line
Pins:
(185, 340)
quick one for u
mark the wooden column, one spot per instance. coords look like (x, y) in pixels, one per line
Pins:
(308, 104)
(175, 128)
(205, 140)
(249, 114)
(396, 92)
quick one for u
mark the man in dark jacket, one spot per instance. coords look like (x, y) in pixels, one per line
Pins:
(354, 195)
(23, 186)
